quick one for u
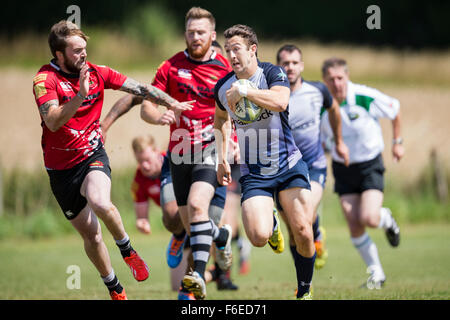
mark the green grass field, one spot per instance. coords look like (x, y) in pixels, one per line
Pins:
(417, 269)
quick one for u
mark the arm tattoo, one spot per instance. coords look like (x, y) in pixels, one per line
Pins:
(43, 108)
(147, 92)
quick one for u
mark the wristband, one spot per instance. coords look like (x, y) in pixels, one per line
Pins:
(80, 96)
(397, 141)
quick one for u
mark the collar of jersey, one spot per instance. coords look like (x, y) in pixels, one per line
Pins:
(66, 75)
(211, 59)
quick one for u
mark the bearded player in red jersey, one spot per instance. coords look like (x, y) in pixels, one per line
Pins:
(192, 75)
(69, 93)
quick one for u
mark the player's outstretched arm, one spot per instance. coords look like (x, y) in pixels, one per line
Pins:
(150, 114)
(222, 132)
(334, 117)
(155, 95)
(122, 106)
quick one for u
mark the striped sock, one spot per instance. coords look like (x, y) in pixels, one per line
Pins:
(125, 246)
(201, 239)
(112, 283)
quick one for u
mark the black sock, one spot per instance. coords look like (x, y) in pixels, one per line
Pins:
(125, 248)
(114, 285)
(217, 270)
(304, 268)
(180, 235)
(293, 250)
(315, 226)
(221, 240)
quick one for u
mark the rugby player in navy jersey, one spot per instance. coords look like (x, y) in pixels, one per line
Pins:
(271, 163)
(308, 99)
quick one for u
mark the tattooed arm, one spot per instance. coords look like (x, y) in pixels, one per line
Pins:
(155, 95)
(55, 115)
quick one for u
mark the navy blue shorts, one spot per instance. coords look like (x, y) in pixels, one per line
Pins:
(318, 175)
(297, 176)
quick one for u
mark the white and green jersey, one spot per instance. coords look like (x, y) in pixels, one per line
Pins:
(361, 130)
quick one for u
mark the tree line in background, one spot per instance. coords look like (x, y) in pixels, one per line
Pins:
(403, 24)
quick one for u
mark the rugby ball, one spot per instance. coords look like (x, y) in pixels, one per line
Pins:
(246, 110)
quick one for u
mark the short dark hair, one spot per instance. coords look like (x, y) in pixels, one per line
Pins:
(216, 44)
(60, 32)
(246, 32)
(289, 48)
(333, 62)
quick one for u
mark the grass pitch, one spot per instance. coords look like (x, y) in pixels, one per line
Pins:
(417, 269)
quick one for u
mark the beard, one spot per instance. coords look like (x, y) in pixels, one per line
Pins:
(70, 66)
(199, 52)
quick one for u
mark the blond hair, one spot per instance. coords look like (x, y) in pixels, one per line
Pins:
(140, 143)
(200, 13)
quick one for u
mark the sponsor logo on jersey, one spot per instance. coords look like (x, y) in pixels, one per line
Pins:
(282, 75)
(352, 116)
(264, 115)
(185, 73)
(66, 86)
(96, 164)
(92, 84)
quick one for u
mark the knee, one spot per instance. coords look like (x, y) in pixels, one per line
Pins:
(258, 239)
(303, 232)
(101, 207)
(368, 218)
(195, 206)
(92, 237)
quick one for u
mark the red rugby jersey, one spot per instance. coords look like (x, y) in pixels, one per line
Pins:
(76, 140)
(144, 188)
(185, 79)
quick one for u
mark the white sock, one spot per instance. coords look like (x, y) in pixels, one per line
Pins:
(385, 219)
(110, 277)
(124, 244)
(368, 251)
